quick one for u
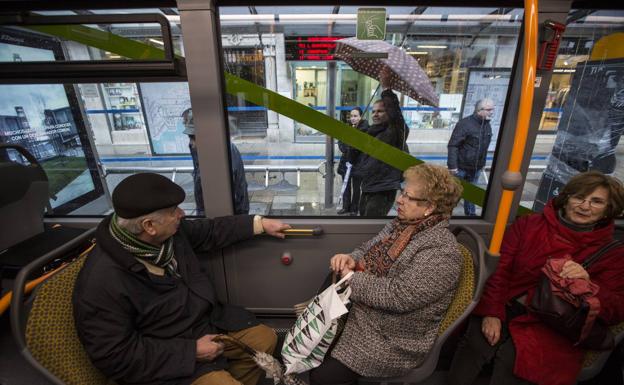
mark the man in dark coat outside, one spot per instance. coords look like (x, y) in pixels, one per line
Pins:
(468, 146)
(144, 310)
(241, 196)
(380, 181)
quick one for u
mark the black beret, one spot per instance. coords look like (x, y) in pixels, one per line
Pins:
(144, 193)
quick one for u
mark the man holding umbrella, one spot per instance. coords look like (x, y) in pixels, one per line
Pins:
(380, 181)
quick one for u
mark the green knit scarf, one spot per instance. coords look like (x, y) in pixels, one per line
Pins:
(160, 256)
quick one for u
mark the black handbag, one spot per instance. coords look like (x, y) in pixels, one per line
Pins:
(578, 323)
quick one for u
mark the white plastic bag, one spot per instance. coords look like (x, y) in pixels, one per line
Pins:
(307, 342)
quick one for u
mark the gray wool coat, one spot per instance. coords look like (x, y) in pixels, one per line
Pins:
(394, 320)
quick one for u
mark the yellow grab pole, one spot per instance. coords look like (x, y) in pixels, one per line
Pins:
(522, 125)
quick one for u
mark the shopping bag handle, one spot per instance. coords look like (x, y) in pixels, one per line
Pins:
(344, 279)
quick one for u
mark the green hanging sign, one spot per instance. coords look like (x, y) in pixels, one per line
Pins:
(371, 24)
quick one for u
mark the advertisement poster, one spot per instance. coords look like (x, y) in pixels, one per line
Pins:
(164, 104)
(40, 118)
(489, 83)
(590, 127)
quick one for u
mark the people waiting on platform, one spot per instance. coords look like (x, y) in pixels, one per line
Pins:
(577, 223)
(380, 181)
(350, 155)
(404, 280)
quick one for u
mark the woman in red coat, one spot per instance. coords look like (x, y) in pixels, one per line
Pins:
(523, 350)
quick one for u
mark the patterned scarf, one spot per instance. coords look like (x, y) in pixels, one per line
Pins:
(160, 256)
(379, 258)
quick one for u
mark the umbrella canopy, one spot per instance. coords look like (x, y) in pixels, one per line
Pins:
(407, 75)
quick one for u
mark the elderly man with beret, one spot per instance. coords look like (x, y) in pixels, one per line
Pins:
(144, 310)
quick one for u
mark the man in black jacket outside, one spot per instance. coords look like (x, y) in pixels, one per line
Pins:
(380, 181)
(468, 146)
(144, 310)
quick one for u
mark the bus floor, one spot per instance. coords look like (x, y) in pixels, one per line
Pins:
(14, 370)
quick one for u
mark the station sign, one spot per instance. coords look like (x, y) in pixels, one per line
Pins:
(311, 47)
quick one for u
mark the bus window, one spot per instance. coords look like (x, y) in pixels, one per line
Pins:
(583, 118)
(88, 137)
(467, 54)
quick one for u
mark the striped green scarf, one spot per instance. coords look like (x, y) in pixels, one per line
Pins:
(160, 256)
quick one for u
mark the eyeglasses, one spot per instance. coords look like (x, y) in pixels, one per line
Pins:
(403, 194)
(576, 200)
(487, 109)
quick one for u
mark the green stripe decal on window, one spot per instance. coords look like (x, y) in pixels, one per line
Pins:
(258, 95)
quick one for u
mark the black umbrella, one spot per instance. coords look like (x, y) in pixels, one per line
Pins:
(407, 75)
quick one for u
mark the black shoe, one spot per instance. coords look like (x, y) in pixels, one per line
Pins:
(342, 211)
(353, 213)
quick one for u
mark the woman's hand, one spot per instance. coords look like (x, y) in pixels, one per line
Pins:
(573, 270)
(491, 329)
(342, 263)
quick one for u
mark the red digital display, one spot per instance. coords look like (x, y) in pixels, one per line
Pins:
(311, 48)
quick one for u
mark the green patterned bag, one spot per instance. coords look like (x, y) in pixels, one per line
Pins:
(310, 337)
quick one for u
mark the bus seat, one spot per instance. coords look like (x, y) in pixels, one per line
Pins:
(43, 324)
(23, 198)
(471, 284)
(595, 360)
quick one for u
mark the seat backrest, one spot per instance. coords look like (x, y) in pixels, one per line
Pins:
(465, 292)
(595, 360)
(23, 200)
(51, 334)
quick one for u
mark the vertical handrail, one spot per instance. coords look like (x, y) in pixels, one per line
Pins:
(522, 125)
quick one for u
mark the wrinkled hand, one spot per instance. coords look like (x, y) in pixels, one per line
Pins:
(572, 270)
(342, 263)
(274, 227)
(385, 77)
(208, 350)
(491, 329)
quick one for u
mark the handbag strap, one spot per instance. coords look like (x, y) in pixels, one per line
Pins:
(592, 259)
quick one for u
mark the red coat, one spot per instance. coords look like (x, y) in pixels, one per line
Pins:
(543, 356)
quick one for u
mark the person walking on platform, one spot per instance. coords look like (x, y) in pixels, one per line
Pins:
(351, 195)
(380, 181)
(468, 146)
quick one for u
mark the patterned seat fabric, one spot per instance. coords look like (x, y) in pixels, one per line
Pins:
(592, 355)
(50, 332)
(463, 295)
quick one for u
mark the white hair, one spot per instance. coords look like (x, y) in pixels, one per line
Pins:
(135, 225)
(480, 103)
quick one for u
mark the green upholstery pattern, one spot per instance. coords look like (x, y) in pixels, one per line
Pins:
(50, 332)
(592, 355)
(463, 295)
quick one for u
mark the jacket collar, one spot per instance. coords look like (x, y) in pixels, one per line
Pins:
(582, 238)
(113, 249)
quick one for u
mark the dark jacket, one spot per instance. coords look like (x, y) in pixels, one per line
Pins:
(139, 328)
(377, 175)
(544, 356)
(241, 196)
(350, 154)
(469, 144)
(239, 183)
